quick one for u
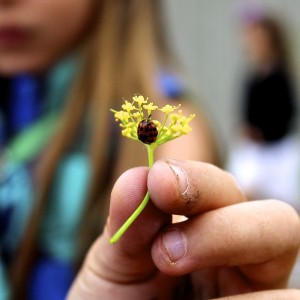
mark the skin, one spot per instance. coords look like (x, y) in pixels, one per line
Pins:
(231, 247)
(250, 245)
(51, 28)
(257, 44)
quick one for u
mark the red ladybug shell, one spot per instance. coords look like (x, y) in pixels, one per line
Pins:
(147, 131)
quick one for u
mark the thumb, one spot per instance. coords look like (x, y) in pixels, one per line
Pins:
(129, 260)
(131, 255)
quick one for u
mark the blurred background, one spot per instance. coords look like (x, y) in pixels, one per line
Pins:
(209, 39)
(205, 36)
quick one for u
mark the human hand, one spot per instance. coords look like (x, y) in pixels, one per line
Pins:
(226, 247)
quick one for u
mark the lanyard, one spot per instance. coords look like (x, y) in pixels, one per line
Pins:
(26, 145)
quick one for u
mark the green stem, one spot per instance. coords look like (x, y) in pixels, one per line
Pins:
(162, 127)
(150, 151)
(140, 208)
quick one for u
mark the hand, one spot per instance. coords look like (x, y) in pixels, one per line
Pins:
(226, 247)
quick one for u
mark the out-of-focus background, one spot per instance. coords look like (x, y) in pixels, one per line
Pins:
(205, 36)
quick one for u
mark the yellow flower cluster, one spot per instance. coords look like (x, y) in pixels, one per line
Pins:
(136, 123)
(173, 126)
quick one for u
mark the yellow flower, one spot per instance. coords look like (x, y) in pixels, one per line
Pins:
(174, 118)
(139, 99)
(128, 106)
(173, 126)
(138, 115)
(122, 116)
(167, 109)
(127, 132)
(186, 129)
(150, 107)
(157, 124)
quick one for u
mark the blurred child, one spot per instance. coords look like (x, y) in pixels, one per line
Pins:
(266, 162)
(63, 65)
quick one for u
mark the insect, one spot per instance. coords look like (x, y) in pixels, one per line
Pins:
(147, 131)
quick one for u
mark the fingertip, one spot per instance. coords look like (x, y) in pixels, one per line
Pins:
(189, 187)
(131, 183)
(161, 258)
(163, 185)
(169, 251)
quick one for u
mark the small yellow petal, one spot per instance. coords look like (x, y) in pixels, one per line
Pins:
(157, 123)
(150, 106)
(128, 106)
(138, 115)
(129, 132)
(139, 99)
(122, 116)
(186, 129)
(130, 125)
(174, 117)
(167, 109)
(175, 128)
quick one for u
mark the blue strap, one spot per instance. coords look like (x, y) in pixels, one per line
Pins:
(19, 107)
(50, 280)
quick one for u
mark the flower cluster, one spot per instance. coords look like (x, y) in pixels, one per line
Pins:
(136, 123)
(132, 113)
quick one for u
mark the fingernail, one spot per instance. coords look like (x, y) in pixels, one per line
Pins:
(175, 244)
(181, 177)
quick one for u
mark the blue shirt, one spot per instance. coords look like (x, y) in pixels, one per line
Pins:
(53, 272)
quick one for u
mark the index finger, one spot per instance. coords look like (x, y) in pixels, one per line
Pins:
(190, 187)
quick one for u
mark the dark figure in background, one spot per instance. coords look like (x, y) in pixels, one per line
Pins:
(269, 104)
(265, 160)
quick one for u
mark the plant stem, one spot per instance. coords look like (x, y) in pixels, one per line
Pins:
(140, 208)
(163, 126)
(150, 151)
(130, 220)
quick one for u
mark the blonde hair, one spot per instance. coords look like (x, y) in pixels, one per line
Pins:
(121, 57)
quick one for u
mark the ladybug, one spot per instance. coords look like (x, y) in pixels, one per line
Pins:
(147, 131)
